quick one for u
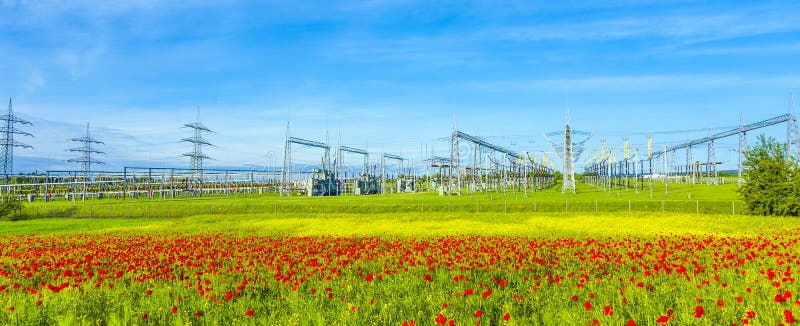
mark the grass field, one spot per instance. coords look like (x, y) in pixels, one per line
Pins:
(437, 266)
(682, 198)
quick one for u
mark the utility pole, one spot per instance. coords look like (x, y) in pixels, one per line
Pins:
(742, 148)
(650, 159)
(286, 172)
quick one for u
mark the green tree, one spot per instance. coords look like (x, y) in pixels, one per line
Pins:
(558, 176)
(772, 184)
(10, 208)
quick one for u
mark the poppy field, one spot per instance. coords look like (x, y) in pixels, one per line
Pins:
(138, 277)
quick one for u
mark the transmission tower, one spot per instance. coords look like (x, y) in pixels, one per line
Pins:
(197, 156)
(8, 143)
(86, 151)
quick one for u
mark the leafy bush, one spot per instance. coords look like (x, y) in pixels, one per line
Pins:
(773, 180)
(10, 208)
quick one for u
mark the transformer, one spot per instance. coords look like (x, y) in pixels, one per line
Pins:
(366, 185)
(406, 185)
(322, 183)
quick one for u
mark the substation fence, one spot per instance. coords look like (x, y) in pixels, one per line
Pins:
(176, 210)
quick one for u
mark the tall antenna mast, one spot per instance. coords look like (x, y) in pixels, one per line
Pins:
(86, 151)
(197, 156)
(8, 143)
(568, 182)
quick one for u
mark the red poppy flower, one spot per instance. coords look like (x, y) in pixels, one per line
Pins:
(788, 316)
(631, 323)
(486, 294)
(249, 313)
(663, 319)
(779, 298)
(441, 319)
(587, 305)
(698, 311)
(478, 313)
(228, 295)
(506, 317)
(144, 316)
(174, 310)
(607, 311)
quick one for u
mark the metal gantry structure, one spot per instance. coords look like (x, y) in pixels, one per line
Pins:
(9, 130)
(484, 171)
(608, 173)
(361, 182)
(86, 151)
(287, 184)
(338, 165)
(384, 157)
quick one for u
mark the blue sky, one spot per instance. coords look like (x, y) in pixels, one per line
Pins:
(393, 74)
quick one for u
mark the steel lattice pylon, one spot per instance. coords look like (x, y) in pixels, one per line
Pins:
(197, 156)
(86, 151)
(9, 129)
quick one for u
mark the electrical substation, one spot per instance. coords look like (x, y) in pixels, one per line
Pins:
(470, 165)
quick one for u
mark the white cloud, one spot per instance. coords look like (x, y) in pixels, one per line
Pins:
(634, 83)
(33, 83)
(685, 26)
